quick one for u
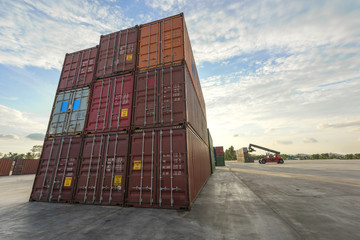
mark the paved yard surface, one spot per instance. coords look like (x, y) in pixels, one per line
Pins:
(296, 200)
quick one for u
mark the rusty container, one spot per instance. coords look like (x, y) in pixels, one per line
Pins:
(5, 166)
(30, 166)
(117, 53)
(219, 151)
(78, 69)
(168, 168)
(165, 97)
(56, 175)
(166, 42)
(111, 104)
(102, 173)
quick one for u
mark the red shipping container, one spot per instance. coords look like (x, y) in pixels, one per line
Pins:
(17, 167)
(30, 166)
(168, 168)
(117, 52)
(78, 69)
(111, 104)
(56, 176)
(102, 174)
(166, 97)
(219, 151)
(5, 166)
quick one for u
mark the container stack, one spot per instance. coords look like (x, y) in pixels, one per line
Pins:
(211, 152)
(25, 166)
(128, 125)
(219, 156)
(242, 155)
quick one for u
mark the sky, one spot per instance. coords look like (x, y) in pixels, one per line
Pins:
(281, 74)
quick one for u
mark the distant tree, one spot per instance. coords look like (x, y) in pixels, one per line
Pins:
(324, 156)
(357, 156)
(230, 154)
(36, 151)
(315, 156)
(1, 154)
(349, 156)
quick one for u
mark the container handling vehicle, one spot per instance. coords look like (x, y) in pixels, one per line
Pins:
(275, 159)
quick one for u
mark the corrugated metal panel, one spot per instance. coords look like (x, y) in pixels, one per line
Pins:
(219, 151)
(168, 167)
(69, 112)
(165, 97)
(111, 104)
(102, 174)
(117, 52)
(5, 166)
(17, 167)
(166, 42)
(78, 69)
(30, 166)
(56, 176)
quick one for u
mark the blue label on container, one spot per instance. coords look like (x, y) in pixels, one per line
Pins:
(64, 106)
(76, 104)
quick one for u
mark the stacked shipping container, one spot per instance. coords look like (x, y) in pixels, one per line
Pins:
(242, 155)
(128, 123)
(219, 156)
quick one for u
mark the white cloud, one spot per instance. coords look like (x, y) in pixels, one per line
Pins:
(310, 140)
(284, 142)
(339, 125)
(39, 33)
(166, 5)
(8, 137)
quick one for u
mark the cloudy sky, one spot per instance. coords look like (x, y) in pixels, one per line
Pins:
(281, 74)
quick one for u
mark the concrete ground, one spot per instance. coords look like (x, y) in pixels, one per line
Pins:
(296, 200)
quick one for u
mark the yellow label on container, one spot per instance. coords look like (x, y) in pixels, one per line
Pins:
(137, 165)
(67, 182)
(117, 180)
(124, 112)
(129, 57)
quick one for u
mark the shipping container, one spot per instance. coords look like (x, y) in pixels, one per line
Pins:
(165, 97)
(117, 53)
(166, 42)
(168, 168)
(56, 175)
(25, 166)
(211, 152)
(69, 112)
(78, 69)
(111, 104)
(102, 174)
(5, 166)
(220, 161)
(219, 151)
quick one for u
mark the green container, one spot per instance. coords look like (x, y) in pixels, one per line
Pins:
(211, 152)
(220, 161)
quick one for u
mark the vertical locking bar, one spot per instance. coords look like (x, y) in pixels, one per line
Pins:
(171, 167)
(142, 167)
(118, 51)
(87, 65)
(162, 95)
(160, 159)
(98, 113)
(113, 55)
(171, 39)
(106, 56)
(171, 93)
(79, 69)
(47, 168)
(67, 77)
(152, 166)
(163, 42)
(107, 102)
(104, 167)
(88, 175)
(64, 172)
(112, 103)
(149, 46)
(146, 93)
(157, 42)
(126, 47)
(155, 91)
(56, 169)
(97, 168)
(113, 169)
(121, 97)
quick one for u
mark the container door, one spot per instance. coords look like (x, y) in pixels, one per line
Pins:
(78, 111)
(121, 103)
(172, 44)
(146, 99)
(57, 170)
(142, 170)
(90, 169)
(113, 177)
(101, 99)
(172, 191)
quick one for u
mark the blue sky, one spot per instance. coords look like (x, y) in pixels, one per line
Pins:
(281, 74)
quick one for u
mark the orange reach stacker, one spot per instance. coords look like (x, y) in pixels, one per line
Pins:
(275, 159)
